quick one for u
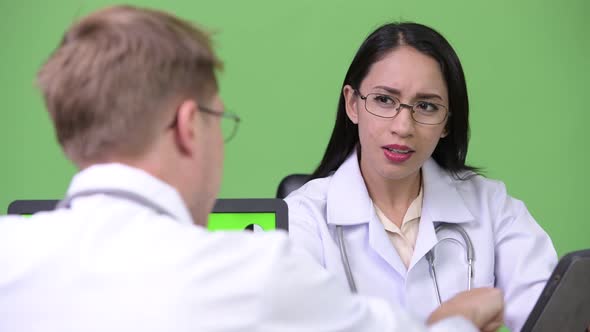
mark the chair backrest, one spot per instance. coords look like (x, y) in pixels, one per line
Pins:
(290, 183)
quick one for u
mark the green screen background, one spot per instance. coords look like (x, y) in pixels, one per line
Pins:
(526, 62)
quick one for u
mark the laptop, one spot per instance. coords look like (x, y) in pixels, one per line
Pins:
(564, 304)
(229, 214)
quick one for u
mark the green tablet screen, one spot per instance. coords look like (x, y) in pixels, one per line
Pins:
(238, 221)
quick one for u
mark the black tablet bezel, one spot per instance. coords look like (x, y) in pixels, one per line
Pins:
(222, 205)
(556, 277)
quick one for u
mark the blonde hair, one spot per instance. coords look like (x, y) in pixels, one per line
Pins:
(108, 84)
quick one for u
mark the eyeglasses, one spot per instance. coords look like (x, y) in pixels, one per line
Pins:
(387, 106)
(229, 123)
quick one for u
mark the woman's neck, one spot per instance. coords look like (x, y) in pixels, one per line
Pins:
(393, 196)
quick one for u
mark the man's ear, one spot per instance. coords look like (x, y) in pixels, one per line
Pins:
(185, 126)
(350, 103)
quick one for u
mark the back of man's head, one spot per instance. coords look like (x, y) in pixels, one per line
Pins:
(108, 85)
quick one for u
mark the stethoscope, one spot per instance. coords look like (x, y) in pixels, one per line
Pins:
(119, 193)
(132, 197)
(429, 256)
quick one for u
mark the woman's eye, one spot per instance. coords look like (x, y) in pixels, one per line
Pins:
(423, 106)
(383, 99)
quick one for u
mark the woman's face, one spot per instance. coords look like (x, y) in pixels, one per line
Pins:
(396, 148)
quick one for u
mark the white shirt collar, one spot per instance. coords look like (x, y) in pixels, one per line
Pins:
(126, 178)
(349, 203)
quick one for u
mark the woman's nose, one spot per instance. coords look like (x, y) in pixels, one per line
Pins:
(403, 122)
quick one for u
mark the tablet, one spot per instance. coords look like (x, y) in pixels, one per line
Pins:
(564, 304)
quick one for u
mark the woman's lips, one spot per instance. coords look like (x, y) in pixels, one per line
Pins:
(397, 153)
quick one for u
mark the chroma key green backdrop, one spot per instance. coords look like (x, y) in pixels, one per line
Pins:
(527, 65)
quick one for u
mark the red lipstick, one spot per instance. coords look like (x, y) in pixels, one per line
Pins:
(397, 153)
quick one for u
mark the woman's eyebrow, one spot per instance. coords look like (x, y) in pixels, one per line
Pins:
(388, 89)
(428, 96)
(420, 95)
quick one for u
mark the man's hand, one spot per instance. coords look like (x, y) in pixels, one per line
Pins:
(484, 307)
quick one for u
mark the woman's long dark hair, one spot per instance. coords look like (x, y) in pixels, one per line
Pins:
(451, 151)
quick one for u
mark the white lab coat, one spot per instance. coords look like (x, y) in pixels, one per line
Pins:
(512, 252)
(112, 264)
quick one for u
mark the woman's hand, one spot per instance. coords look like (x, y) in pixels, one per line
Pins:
(484, 307)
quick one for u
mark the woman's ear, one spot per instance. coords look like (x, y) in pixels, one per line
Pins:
(446, 130)
(350, 103)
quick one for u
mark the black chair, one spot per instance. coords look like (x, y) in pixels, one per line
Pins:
(290, 183)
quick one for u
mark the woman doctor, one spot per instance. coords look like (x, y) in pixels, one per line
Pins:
(394, 170)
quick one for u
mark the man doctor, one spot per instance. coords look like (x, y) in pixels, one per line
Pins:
(134, 100)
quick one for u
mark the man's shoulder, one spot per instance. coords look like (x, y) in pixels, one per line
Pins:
(41, 224)
(192, 248)
(144, 242)
(242, 243)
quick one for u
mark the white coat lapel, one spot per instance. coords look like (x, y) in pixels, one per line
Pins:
(349, 204)
(442, 203)
(381, 244)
